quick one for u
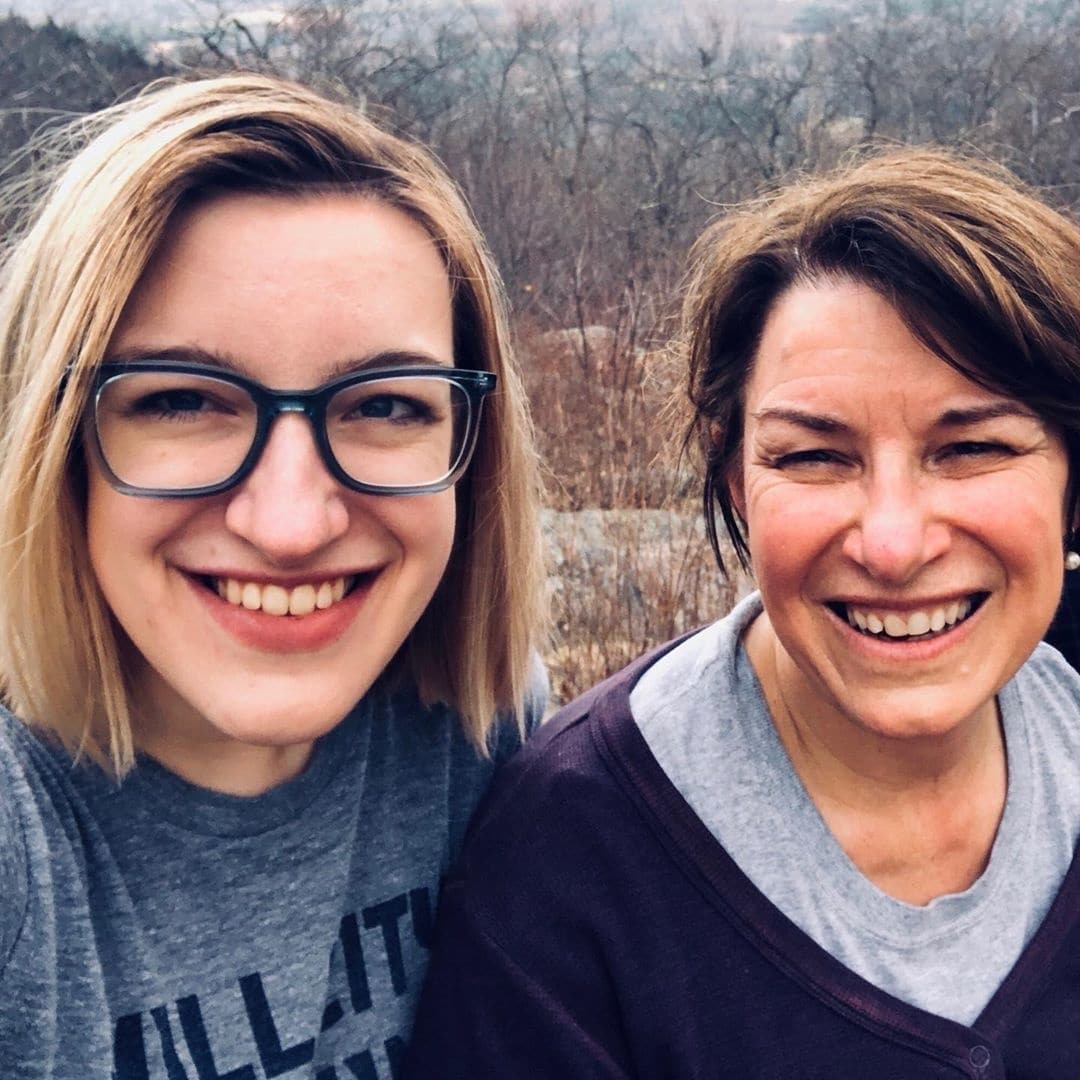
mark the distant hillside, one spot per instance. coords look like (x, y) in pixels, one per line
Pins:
(147, 19)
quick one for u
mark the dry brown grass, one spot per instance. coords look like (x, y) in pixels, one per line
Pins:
(629, 563)
(609, 420)
(622, 581)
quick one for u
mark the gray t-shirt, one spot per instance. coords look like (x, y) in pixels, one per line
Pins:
(701, 710)
(160, 931)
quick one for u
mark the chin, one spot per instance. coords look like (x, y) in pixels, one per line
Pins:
(907, 719)
(274, 715)
(279, 727)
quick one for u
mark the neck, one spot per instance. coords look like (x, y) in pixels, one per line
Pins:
(178, 736)
(840, 752)
(917, 815)
(227, 766)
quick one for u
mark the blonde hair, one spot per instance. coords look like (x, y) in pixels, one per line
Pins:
(64, 285)
(985, 274)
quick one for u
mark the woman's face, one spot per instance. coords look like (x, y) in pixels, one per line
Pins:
(291, 292)
(906, 526)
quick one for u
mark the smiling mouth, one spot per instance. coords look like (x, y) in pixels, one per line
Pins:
(915, 625)
(277, 600)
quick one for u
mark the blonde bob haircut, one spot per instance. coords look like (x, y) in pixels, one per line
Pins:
(64, 284)
(983, 272)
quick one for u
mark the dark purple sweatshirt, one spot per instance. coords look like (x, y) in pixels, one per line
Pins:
(595, 928)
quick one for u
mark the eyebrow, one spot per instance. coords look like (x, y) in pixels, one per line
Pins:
(951, 418)
(977, 413)
(193, 354)
(826, 425)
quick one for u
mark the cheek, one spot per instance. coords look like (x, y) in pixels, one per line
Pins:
(439, 537)
(790, 528)
(108, 529)
(122, 536)
(423, 526)
(1021, 520)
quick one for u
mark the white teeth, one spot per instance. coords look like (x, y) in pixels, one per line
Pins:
(277, 600)
(916, 624)
(302, 600)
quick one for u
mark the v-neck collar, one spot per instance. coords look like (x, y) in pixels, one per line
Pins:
(626, 753)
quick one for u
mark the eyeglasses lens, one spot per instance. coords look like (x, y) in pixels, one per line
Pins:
(398, 432)
(177, 431)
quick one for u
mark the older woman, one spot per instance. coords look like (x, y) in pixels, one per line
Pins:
(831, 835)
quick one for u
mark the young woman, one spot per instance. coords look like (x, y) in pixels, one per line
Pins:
(831, 835)
(270, 574)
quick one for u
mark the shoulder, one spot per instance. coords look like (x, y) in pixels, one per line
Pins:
(1047, 674)
(509, 730)
(414, 730)
(21, 771)
(1039, 710)
(699, 675)
(417, 762)
(17, 810)
(537, 694)
(569, 792)
(1042, 701)
(532, 788)
(1045, 695)
(563, 750)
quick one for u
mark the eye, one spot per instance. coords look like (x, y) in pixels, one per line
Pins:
(391, 407)
(972, 457)
(814, 465)
(974, 449)
(169, 404)
(805, 458)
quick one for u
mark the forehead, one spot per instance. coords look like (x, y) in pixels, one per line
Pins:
(841, 345)
(310, 281)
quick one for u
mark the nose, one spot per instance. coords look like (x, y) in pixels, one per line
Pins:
(898, 531)
(289, 506)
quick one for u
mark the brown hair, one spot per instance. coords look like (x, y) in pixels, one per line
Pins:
(64, 286)
(983, 272)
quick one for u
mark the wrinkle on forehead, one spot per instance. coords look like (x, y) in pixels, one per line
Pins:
(840, 351)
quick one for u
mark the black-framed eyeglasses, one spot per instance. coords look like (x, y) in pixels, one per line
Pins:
(172, 430)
